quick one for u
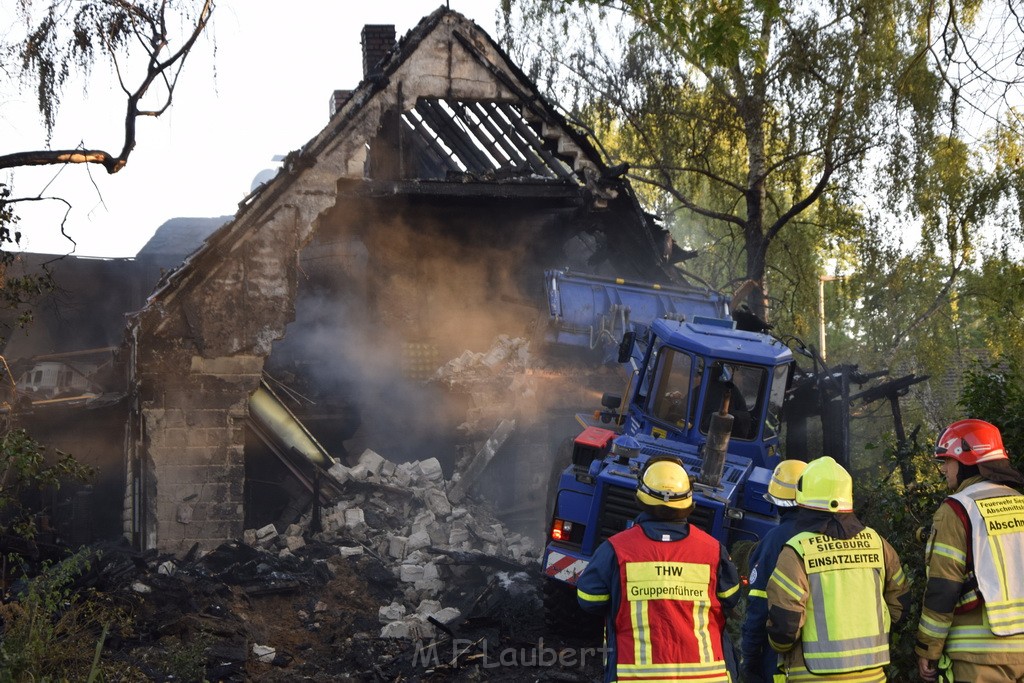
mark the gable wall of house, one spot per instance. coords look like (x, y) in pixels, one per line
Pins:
(199, 346)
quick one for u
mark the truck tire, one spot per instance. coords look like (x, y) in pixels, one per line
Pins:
(563, 616)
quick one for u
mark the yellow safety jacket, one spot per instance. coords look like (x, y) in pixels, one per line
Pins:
(847, 624)
(996, 514)
(953, 618)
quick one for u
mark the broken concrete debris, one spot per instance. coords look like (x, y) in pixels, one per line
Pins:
(403, 515)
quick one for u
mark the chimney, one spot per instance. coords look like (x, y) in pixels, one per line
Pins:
(377, 40)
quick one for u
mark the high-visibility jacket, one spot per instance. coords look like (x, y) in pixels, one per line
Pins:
(953, 618)
(600, 587)
(845, 593)
(760, 661)
(669, 623)
(996, 514)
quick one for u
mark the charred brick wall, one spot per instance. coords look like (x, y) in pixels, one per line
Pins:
(197, 349)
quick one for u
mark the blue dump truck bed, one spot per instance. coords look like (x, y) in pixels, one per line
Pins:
(588, 310)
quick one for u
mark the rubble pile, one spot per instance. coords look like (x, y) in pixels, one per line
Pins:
(497, 381)
(393, 582)
(402, 514)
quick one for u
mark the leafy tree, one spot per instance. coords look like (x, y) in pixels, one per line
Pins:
(26, 471)
(63, 37)
(736, 111)
(55, 39)
(995, 392)
(760, 119)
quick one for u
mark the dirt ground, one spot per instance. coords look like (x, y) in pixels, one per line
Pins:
(314, 617)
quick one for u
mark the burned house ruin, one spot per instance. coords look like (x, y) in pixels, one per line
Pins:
(413, 229)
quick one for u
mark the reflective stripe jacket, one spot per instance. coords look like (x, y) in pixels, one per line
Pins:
(831, 603)
(953, 618)
(665, 587)
(759, 659)
(996, 513)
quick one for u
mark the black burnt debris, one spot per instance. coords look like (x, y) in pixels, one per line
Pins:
(399, 584)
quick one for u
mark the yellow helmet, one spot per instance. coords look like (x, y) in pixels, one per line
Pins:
(825, 485)
(782, 487)
(665, 482)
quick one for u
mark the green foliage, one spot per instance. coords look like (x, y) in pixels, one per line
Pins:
(897, 511)
(735, 117)
(995, 392)
(186, 660)
(26, 469)
(992, 392)
(51, 631)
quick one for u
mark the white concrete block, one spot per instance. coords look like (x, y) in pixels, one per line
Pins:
(428, 607)
(392, 612)
(402, 476)
(339, 473)
(354, 517)
(420, 539)
(422, 522)
(458, 535)
(397, 546)
(263, 653)
(293, 543)
(447, 615)
(409, 629)
(437, 502)
(346, 551)
(359, 473)
(430, 572)
(372, 461)
(410, 573)
(431, 470)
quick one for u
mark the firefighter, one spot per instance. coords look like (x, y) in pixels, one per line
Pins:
(972, 620)
(836, 589)
(760, 661)
(664, 587)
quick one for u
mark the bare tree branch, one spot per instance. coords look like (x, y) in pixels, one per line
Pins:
(155, 42)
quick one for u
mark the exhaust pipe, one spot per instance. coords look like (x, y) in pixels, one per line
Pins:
(714, 450)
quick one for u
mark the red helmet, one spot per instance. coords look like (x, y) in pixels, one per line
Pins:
(970, 442)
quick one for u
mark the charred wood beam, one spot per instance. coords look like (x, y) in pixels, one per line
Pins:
(504, 139)
(478, 559)
(490, 143)
(533, 102)
(560, 194)
(559, 167)
(426, 156)
(431, 139)
(895, 387)
(456, 138)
